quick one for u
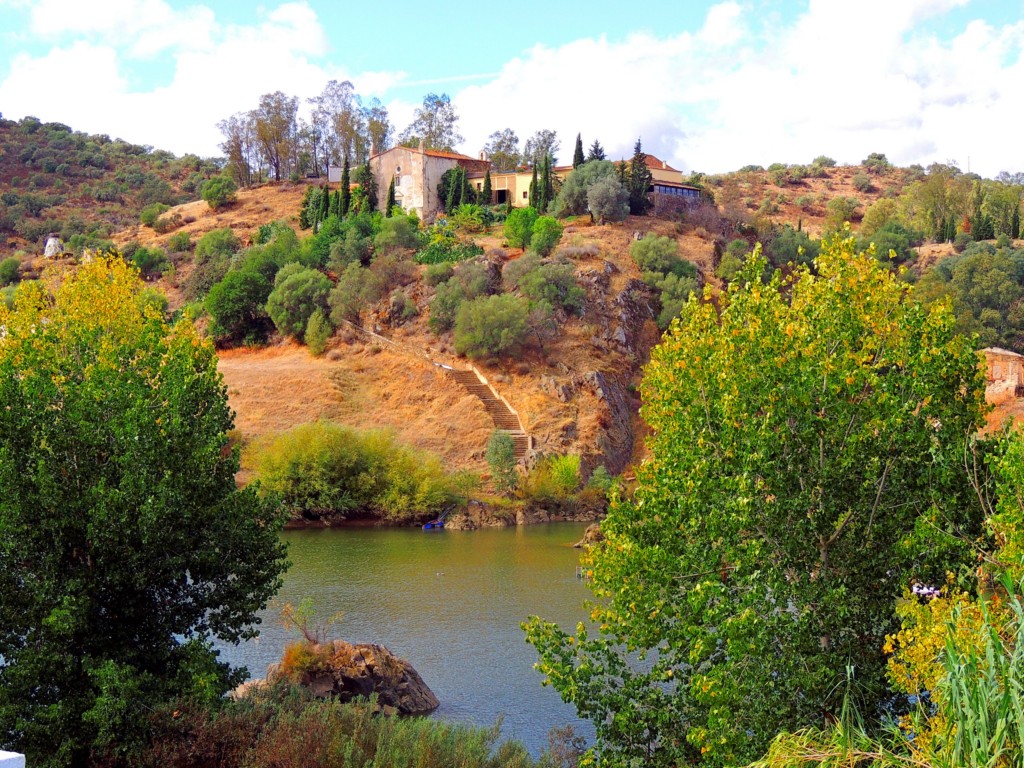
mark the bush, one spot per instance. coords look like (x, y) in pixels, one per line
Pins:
(469, 217)
(876, 163)
(555, 285)
(655, 253)
(791, 246)
(894, 237)
(166, 224)
(438, 273)
(501, 458)
(961, 241)
(150, 261)
(179, 243)
(236, 307)
(9, 269)
(491, 326)
(444, 307)
(840, 210)
(298, 293)
(398, 233)
(217, 243)
(319, 330)
(519, 227)
(546, 234)
(219, 192)
(554, 479)
(608, 200)
(151, 213)
(862, 182)
(357, 286)
(326, 469)
(824, 161)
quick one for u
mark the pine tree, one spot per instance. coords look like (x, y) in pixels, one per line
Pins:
(485, 193)
(596, 151)
(623, 176)
(546, 190)
(533, 189)
(1015, 223)
(334, 208)
(366, 181)
(577, 156)
(391, 198)
(346, 193)
(639, 182)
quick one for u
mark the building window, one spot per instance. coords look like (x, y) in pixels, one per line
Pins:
(524, 195)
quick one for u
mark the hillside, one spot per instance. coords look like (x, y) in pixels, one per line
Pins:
(85, 187)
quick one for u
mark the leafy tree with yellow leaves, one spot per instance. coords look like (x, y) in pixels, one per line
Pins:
(125, 546)
(806, 465)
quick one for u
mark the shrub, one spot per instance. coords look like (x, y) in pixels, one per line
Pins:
(655, 253)
(805, 202)
(840, 210)
(266, 232)
(519, 227)
(894, 237)
(151, 213)
(357, 286)
(471, 218)
(236, 306)
(180, 242)
(318, 332)
(501, 458)
(216, 243)
(298, 293)
(324, 468)
(219, 192)
(961, 241)
(438, 273)
(445, 306)
(546, 234)
(824, 161)
(876, 162)
(554, 479)
(862, 182)
(791, 246)
(402, 307)
(608, 200)
(555, 285)
(9, 269)
(491, 326)
(150, 261)
(398, 233)
(166, 224)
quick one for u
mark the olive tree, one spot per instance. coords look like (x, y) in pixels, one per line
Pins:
(807, 444)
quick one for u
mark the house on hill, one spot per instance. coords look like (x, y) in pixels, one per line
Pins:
(1004, 374)
(417, 171)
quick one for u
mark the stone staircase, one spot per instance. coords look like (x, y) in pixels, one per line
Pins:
(501, 414)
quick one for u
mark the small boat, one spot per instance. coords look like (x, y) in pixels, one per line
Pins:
(434, 525)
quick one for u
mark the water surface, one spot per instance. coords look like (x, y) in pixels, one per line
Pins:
(449, 602)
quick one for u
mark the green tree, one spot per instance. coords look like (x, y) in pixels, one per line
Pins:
(389, 207)
(9, 269)
(501, 458)
(298, 293)
(545, 236)
(236, 304)
(127, 547)
(519, 227)
(544, 143)
(572, 197)
(607, 199)
(345, 188)
(219, 192)
(596, 152)
(435, 123)
(502, 150)
(486, 193)
(639, 183)
(491, 325)
(807, 444)
(534, 197)
(368, 184)
(577, 155)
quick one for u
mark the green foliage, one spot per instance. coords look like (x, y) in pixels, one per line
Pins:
(673, 278)
(267, 232)
(356, 287)
(323, 468)
(127, 548)
(876, 163)
(572, 198)
(655, 253)
(577, 154)
(639, 182)
(149, 261)
(289, 726)
(444, 307)
(443, 244)
(807, 443)
(840, 210)
(436, 274)
(398, 233)
(552, 283)
(608, 199)
(9, 269)
(318, 332)
(862, 182)
(553, 480)
(501, 458)
(674, 290)
(491, 326)
(519, 227)
(791, 246)
(151, 213)
(296, 296)
(824, 161)
(219, 192)
(596, 152)
(236, 307)
(893, 238)
(217, 243)
(545, 236)
(180, 242)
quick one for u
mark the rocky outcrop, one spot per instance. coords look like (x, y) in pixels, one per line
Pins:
(479, 514)
(349, 671)
(591, 536)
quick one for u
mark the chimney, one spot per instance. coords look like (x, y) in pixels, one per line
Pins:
(664, 165)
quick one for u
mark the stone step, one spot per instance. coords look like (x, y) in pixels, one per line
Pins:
(502, 416)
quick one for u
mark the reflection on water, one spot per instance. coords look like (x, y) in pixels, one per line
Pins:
(449, 602)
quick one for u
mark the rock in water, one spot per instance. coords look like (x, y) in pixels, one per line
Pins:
(348, 671)
(591, 536)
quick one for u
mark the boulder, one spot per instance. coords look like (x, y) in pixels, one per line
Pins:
(348, 671)
(591, 536)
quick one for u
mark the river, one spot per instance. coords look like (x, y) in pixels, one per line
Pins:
(449, 602)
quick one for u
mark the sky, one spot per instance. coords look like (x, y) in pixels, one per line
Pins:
(706, 86)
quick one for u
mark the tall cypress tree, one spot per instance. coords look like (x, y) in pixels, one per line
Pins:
(325, 206)
(391, 198)
(1015, 223)
(346, 192)
(366, 182)
(486, 192)
(334, 209)
(639, 182)
(546, 188)
(533, 188)
(577, 156)
(596, 151)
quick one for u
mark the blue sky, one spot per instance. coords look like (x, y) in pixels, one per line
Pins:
(709, 86)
